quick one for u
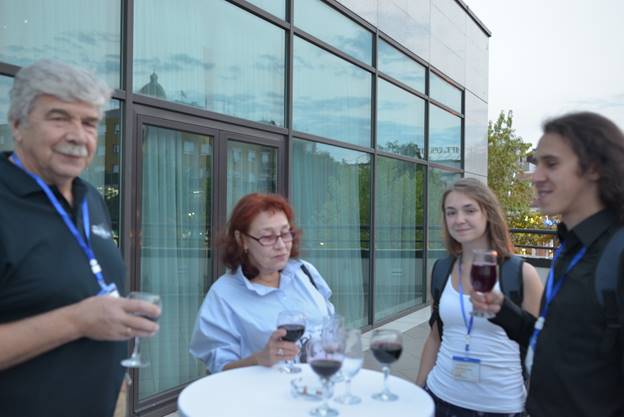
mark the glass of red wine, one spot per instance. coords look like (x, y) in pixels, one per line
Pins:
(135, 360)
(386, 345)
(325, 356)
(294, 323)
(483, 274)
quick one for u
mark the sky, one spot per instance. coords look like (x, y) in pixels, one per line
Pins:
(548, 57)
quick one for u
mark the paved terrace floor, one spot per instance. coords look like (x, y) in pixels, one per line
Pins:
(415, 330)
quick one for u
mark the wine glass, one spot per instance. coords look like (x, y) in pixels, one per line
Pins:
(294, 323)
(135, 360)
(325, 356)
(334, 330)
(483, 275)
(386, 345)
(353, 359)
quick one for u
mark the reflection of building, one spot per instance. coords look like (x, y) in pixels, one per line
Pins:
(361, 114)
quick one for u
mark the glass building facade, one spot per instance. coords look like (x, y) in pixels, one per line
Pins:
(360, 111)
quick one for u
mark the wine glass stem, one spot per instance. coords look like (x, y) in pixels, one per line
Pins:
(348, 387)
(325, 406)
(386, 372)
(135, 350)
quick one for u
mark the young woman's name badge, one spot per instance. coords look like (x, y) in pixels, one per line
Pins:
(466, 369)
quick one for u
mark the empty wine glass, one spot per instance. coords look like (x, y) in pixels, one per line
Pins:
(135, 360)
(353, 359)
(294, 323)
(325, 356)
(386, 345)
(483, 275)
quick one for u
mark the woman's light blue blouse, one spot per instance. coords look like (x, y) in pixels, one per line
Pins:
(238, 316)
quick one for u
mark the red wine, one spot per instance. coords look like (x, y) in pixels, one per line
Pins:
(325, 368)
(483, 277)
(386, 352)
(293, 331)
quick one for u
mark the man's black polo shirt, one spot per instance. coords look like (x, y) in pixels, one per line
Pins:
(570, 375)
(43, 268)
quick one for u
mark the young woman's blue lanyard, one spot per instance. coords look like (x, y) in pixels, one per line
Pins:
(467, 322)
(85, 246)
(552, 289)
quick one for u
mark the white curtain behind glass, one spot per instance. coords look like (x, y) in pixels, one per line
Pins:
(174, 257)
(329, 200)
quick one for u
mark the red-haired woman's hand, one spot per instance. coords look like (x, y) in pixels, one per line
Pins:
(276, 349)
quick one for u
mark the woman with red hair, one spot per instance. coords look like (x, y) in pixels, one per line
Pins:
(236, 324)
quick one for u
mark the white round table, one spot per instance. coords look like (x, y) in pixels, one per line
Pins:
(259, 391)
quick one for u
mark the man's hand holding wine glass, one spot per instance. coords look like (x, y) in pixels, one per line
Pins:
(111, 318)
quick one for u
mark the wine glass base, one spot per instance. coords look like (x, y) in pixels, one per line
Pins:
(324, 412)
(289, 370)
(385, 396)
(134, 363)
(348, 399)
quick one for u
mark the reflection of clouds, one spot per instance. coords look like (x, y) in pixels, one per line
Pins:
(191, 61)
(333, 104)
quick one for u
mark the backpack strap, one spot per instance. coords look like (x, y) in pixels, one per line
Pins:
(307, 272)
(511, 280)
(608, 272)
(439, 275)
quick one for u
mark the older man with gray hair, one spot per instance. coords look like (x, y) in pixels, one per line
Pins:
(62, 322)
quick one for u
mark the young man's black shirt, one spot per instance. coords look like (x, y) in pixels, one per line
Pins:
(571, 376)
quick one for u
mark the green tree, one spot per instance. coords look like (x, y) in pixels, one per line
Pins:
(507, 153)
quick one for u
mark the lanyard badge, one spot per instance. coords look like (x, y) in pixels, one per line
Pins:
(552, 290)
(105, 289)
(465, 367)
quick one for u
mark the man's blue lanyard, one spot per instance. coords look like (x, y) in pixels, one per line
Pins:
(85, 246)
(468, 323)
(552, 289)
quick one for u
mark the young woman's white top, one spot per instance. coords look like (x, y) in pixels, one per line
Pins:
(501, 387)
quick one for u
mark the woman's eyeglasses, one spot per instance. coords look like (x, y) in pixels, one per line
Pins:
(270, 240)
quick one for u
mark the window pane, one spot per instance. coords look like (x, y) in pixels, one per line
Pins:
(400, 121)
(336, 29)
(399, 237)
(444, 137)
(175, 256)
(330, 192)
(275, 7)
(104, 172)
(445, 93)
(398, 65)
(6, 139)
(250, 168)
(233, 64)
(332, 97)
(84, 33)
(438, 182)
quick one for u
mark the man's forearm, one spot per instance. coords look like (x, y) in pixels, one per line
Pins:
(517, 323)
(25, 339)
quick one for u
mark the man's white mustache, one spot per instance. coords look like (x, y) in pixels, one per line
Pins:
(72, 150)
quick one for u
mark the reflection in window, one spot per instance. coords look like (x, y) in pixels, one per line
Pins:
(78, 32)
(332, 98)
(6, 138)
(331, 26)
(399, 236)
(444, 137)
(438, 182)
(175, 258)
(400, 121)
(232, 65)
(250, 169)
(330, 191)
(398, 65)
(445, 93)
(275, 7)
